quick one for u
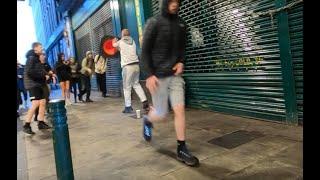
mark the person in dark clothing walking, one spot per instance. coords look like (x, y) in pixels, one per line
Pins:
(163, 55)
(35, 78)
(46, 88)
(75, 77)
(63, 72)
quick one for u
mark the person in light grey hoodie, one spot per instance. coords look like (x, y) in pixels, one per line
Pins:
(130, 70)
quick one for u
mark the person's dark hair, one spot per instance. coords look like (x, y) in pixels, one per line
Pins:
(60, 57)
(36, 44)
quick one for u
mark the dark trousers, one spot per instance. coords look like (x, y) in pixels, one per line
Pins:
(85, 86)
(74, 83)
(19, 100)
(101, 81)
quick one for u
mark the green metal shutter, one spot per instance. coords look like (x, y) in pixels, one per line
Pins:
(296, 39)
(232, 58)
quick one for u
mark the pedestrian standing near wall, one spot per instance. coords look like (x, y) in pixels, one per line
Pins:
(63, 72)
(100, 69)
(130, 70)
(87, 70)
(46, 88)
(75, 77)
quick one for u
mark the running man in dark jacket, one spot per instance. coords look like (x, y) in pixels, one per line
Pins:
(163, 55)
(35, 78)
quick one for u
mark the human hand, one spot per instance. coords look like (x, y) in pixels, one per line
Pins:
(178, 68)
(152, 83)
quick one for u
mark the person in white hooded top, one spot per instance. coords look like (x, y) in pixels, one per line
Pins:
(130, 70)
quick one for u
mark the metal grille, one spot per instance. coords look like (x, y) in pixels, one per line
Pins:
(155, 6)
(232, 58)
(83, 45)
(88, 37)
(113, 78)
(99, 32)
(296, 40)
(100, 16)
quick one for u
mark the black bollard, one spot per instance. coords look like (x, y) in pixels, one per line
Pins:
(61, 142)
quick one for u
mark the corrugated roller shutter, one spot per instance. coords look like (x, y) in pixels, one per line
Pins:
(91, 32)
(101, 25)
(83, 40)
(155, 7)
(233, 58)
(296, 40)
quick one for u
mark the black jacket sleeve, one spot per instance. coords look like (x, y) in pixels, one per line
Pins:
(182, 44)
(149, 37)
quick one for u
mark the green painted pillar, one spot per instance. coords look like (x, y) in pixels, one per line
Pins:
(61, 142)
(287, 65)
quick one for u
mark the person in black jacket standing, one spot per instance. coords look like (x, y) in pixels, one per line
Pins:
(63, 71)
(46, 89)
(163, 55)
(35, 78)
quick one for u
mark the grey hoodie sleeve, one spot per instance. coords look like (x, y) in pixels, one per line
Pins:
(149, 37)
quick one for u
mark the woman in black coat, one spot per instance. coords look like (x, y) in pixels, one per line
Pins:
(63, 72)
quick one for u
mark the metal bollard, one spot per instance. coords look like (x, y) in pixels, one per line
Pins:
(61, 142)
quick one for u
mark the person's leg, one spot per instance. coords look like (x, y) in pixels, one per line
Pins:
(83, 86)
(67, 86)
(74, 88)
(98, 78)
(103, 85)
(18, 101)
(127, 86)
(138, 89)
(67, 91)
(25, 95)
(79, 84)
(35, 94)
(63, 89)
(42, 108)
(159, 109)
(36, 113)
(177, 99)
(88, 87)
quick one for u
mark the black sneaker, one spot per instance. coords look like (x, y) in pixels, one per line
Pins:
(127, 110)
(43, 125)
(27, 129)
(88, 100)
(185, 156)
(147, 129)
(80, 98)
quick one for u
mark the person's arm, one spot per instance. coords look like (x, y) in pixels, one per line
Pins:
(96, 58)
(149, 37)
(84, 65)
(105, 64)
(116, 43)
(182, 44)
